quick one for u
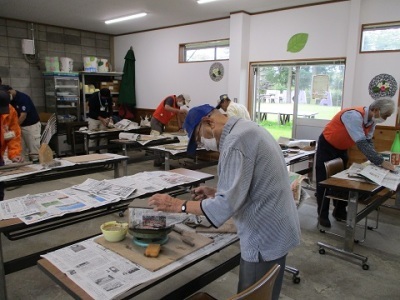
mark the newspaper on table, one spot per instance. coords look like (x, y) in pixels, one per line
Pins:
(129, 136)
(378, 175)
(104, 274)
(126, 124)
(91, 193)
(292, 143)
(104, 187)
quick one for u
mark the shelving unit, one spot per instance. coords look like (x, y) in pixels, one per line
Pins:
(62, 97)
(96, 79)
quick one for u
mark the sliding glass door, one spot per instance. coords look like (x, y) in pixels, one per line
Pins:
(286, 93)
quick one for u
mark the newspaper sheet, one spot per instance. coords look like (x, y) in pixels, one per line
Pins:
(292, 143)
(91, 193)
(104, 274)
(38, 168)
(126, 124)
(372, 173)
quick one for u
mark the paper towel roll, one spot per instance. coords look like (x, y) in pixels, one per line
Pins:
(129, 136)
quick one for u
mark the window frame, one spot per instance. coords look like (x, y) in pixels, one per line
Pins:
(377, 26)
(211, 44)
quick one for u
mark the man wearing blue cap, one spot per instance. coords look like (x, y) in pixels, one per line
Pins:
(253, 188)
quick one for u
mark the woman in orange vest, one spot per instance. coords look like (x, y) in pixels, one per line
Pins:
(350, 126)
(10, 137)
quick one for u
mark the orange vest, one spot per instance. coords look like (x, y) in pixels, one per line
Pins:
(13, 145)
(163, 115)
(336, 133)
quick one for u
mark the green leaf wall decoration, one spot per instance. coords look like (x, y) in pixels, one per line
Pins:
(297, 42)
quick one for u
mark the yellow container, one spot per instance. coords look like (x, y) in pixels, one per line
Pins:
(114, 231)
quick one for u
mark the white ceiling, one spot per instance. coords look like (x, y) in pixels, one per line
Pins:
(91, 14)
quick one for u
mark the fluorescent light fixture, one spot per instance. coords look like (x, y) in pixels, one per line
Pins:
(205, 1)
(126, 18)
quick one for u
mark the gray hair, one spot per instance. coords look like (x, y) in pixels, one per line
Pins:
(385, 105)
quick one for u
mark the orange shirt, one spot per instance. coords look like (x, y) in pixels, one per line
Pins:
(14, 145)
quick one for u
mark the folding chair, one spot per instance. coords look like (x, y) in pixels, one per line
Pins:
(262, 289)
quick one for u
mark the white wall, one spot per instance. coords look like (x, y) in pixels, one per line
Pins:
(158, 72)
(270, 32)
(333, 29)
(368, 65)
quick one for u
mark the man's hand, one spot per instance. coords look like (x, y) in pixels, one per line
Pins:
(203, 192)
(387, 165)
(105, 121)
(17, 159)
(165, 202)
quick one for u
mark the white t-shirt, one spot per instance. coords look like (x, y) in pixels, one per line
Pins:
(237, 110)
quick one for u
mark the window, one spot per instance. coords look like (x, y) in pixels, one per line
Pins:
(380, 37)
(204, 51)
(285, 93)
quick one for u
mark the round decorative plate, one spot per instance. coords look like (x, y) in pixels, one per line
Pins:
(382, 85)
(216, 71)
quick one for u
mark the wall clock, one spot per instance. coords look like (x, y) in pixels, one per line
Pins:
(216, 71)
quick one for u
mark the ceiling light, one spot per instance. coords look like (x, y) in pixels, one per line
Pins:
(205, 1)
(125, 18)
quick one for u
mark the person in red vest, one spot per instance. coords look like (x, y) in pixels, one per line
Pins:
(350, 126)
(165, 111)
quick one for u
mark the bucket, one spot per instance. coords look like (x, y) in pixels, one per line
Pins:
(52, 64)
(102, 64)
(90, 64)
(66, 64)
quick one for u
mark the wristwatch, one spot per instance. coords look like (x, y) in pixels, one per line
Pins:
(183, 208)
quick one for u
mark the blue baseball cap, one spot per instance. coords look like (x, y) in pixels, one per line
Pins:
(193, 119)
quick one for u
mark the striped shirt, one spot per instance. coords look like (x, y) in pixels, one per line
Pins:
(253, 188)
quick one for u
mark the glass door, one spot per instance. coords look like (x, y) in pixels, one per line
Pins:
(289, 93)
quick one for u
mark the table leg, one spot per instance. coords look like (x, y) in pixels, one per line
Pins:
(351, 221)
(86, 143)
(73, 143)
(3, 291)
(349, 233)
(279, 119)
(125, 167)
(167, 164)
(125, 149)
(116, 169)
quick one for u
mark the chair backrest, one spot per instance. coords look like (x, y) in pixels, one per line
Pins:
(262, 289)
(333, 166)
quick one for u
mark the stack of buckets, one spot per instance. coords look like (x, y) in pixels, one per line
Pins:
(65, 64)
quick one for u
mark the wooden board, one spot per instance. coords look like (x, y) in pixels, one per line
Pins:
(175, 147)
(173, 250)
(18, 170)
(87, 158)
